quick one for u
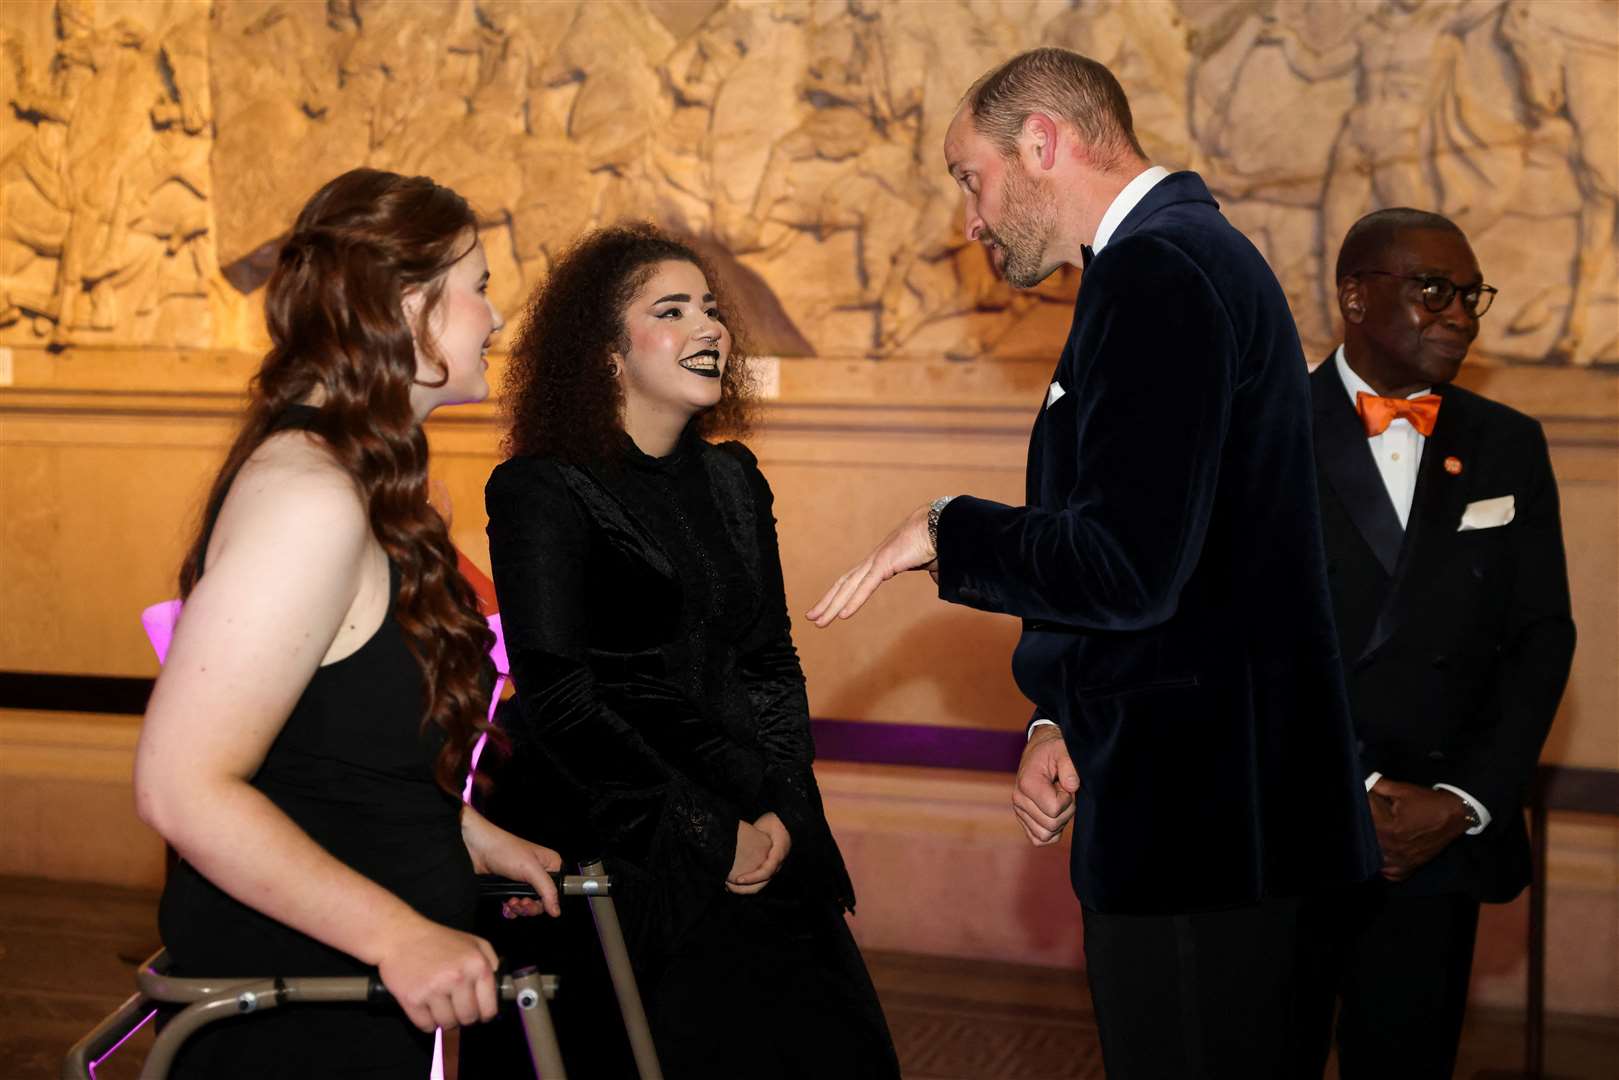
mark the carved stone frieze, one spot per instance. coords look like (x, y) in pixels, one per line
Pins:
(155, 152)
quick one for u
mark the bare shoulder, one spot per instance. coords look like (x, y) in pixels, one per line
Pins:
(293, 492)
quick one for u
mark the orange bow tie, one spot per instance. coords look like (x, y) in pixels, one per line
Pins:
(1377, 413)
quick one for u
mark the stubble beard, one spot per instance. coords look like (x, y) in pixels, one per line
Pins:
(1026, 228)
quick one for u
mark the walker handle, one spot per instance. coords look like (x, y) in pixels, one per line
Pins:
(495, 887)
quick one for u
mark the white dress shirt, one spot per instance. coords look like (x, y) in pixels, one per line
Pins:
(1398, 452)
(1124, 202)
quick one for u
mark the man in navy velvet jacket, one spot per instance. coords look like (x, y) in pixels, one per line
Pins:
(1167, 565)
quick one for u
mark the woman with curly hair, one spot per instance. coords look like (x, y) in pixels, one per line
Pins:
(641, 594)
(304, 744)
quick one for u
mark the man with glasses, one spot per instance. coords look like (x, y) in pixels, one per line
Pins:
(1445, 559)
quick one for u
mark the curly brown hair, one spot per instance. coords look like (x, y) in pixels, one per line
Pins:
(561, 398)
(338, 332)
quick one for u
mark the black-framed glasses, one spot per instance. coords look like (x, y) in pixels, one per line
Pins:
(1437, 292)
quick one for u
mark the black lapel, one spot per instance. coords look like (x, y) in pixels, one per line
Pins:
(728, 480)
(590, 484)
(1346, 458)
(1436, 510)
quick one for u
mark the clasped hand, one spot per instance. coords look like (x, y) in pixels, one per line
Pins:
(906, 548)
(1413, 823)
(761, 848)
(1043, 798)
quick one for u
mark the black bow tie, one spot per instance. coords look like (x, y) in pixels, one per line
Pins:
(1085, 255)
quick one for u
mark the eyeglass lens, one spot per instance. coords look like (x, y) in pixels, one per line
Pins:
(1438, 292)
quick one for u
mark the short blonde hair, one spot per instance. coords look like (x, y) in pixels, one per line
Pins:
(1060, 83)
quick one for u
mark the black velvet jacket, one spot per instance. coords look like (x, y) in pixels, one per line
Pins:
(1457, 643)
(1168, 567)
(652, 656)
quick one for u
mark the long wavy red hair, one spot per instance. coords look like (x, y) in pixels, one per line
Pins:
(340, 340)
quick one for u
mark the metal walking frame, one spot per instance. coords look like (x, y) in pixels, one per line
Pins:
(207, 1000)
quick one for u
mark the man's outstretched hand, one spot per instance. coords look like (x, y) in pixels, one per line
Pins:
(1043, 798)
(907, 548)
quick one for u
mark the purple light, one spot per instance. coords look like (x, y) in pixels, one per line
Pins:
(159, 621)
(96, 1064)
(477, 751)
(497, 653)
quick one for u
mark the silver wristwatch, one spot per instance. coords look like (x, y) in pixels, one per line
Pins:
(934, 510)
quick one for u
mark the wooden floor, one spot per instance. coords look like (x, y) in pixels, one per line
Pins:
(66, 953)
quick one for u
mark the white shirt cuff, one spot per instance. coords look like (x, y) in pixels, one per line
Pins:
(1478, 807)
(1042, 722)
(1372, 779)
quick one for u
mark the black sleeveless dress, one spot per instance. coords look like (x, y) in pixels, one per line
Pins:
(353, 768)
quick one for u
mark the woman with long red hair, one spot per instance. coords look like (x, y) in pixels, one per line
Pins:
(305, 742)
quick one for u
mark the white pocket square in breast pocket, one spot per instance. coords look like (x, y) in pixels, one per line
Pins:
(1053, 393)
(1488, 514)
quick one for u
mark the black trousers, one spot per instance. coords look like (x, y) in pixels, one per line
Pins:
(1404, 985)
(1244, 993)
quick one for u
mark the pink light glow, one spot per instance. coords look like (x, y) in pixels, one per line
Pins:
(497, 653)
(159, 621)
(96, 1064)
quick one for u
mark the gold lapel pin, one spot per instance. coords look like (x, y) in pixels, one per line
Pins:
(1453, 465)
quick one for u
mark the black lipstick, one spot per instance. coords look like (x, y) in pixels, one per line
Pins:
(690, 363)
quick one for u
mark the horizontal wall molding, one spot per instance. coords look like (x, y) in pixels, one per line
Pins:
(865, 742)
(820, 395)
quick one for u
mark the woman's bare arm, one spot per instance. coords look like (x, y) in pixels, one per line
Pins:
(292, 579)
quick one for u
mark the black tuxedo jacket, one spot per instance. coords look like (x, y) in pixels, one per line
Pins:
(1169, 570)
(1456, 644)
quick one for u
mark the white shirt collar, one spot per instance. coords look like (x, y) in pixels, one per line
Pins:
(1123, 203)
(1354, 384)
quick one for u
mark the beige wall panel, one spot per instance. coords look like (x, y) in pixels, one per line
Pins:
(1587, 728)
(68, 803)
(941, 867)
(97, 518)
(907, 658)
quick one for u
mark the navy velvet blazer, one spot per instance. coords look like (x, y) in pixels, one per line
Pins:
(1457, 644)
(1168, 567)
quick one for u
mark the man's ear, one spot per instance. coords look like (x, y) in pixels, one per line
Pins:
(1040, 137)
(1352, 300)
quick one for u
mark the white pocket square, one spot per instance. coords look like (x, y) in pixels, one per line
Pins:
(1488, 514)
(1053, 393)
